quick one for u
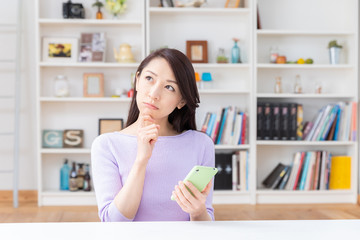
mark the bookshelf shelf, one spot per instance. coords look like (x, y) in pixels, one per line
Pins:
(216, 11)
(218, 91)
(304, 96)
(65, 151)
(222, 65)
(83, 99)
(232, 147)
(89, 65)
(303, 66)
(311, 33)
(87, 22)
(304, 143)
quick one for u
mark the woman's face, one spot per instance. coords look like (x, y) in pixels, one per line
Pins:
(157, 91)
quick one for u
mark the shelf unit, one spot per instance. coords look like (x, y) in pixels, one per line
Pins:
(76, 111)
(231, 82)
(148, 27)
(302, 32)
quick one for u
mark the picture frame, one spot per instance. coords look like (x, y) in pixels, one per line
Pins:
(92, 47)
(107, 125)
(93, 85)
(60, 49)
(197, 51)
(232, 3)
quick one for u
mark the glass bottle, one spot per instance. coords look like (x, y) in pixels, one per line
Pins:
(274, 53)
(297, 86)
(64, 176)
(235, 53)
(80, 176)
(87, 178)
(73, 185)
(278, 87)
(61, 86)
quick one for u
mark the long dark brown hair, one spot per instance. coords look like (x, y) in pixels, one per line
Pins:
(184, 118)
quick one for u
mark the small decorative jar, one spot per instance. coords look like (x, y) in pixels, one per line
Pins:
(61, 86)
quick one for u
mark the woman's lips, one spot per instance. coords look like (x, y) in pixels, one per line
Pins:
(151, 106)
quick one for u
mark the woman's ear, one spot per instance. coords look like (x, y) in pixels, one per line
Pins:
(181, 104)
(137, 76)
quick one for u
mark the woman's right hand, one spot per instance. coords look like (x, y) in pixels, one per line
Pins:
(147, 136)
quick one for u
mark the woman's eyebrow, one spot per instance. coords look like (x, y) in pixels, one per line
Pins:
(173, 81)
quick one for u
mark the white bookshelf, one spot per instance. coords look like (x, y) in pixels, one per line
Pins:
(297, 29)
(76, 111)
(302, 32)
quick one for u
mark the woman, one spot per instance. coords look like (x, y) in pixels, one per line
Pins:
(136, 170)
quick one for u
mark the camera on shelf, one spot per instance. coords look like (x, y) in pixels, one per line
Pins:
(73, 10)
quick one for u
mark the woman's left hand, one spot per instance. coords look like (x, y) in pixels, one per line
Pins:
(194, 205)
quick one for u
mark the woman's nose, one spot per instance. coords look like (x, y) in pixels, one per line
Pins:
(154, 92)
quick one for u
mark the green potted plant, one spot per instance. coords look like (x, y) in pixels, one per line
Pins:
(99, 5)
(334, 52)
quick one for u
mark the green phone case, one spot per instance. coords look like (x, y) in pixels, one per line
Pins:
(199, 176)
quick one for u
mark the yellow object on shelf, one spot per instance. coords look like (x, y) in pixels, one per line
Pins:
(340, 172)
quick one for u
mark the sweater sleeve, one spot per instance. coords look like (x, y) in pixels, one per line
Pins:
(106, 179)
(209, 160)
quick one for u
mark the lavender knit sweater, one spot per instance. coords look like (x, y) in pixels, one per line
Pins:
(112, 156)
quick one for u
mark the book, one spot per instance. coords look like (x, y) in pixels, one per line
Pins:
(305, 171)
(353, 122)
(285, 131)
(244, 128)
(273, 178)
(292, 121)
(235, 171)
(223, 179)
(310, 172)
(294, 169)
(307, 127)
(92, 47)
(340, 174)
(322, 122)
(315, 125)
(331, 133)
(330, 121)
(238, 128)
(217, 124)
(338, 121)
(300, 118)
(222, 125)
(285, 179)
(276, 121)
(211, 124)
(228, 126)
(243, 170)
(260, 119)
(266, 133)
(299, 171)
(206, 122)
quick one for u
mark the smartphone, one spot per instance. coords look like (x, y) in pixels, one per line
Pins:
(199, 176)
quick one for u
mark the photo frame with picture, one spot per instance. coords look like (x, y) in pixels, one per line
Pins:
(107, 125)
(60, 49)
(196, 51)
(93, 85)
(233, 3)
(92, 47)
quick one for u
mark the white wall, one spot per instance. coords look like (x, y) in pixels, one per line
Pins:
(27, 171)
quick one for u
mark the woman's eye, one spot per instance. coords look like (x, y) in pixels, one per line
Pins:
(148, 78)
(170, 88)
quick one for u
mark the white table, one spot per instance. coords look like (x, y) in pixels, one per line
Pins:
(221, 230)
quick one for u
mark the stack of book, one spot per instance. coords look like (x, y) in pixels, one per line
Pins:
(333, 122)
(279, 121)
(228, 126)
(284, 121)
(313, 170)
(233, 171)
